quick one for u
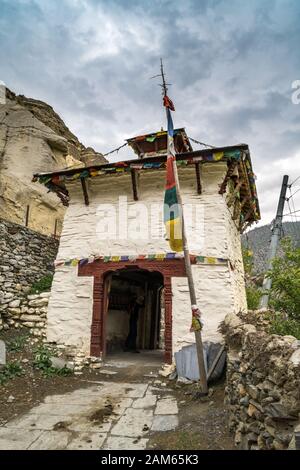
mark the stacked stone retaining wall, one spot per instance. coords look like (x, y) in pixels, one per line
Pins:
(263, 383)
(25, 258)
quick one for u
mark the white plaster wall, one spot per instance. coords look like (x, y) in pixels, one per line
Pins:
(215, 300)
(82, 224)
(211, 235)
(237, 267)
(69, 315)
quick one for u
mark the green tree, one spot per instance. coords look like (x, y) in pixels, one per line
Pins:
(285, 276)
(253, 293)
(248, 261)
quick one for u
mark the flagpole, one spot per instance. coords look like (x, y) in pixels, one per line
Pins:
(187, 262)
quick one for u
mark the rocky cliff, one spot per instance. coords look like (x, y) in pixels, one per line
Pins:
(33, 138)
(44, 113)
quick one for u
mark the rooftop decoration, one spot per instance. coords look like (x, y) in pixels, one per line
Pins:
(239, 175)
(153, 144)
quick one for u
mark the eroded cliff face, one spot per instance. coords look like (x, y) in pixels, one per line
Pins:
(33, 138)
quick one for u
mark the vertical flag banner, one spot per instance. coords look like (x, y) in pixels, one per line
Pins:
(172, 210)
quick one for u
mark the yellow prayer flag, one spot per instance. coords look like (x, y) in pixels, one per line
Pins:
(218, 155)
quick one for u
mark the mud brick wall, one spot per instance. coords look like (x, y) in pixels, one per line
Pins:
(263, 383)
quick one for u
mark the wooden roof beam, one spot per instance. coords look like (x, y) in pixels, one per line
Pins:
(198, 178)
(85, 192)
(134, 184)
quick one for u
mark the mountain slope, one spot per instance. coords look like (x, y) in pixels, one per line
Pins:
(258, 241)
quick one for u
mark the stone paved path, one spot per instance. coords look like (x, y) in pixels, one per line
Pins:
(108, 415)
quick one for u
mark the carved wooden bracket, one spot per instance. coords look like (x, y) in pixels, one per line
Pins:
(233, 196)
(229, 173)
(243, 222)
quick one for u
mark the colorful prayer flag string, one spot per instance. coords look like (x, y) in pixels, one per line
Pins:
(196, 259)
(123, 167)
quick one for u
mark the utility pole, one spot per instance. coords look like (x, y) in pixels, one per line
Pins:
(187, 260)
(274, 242)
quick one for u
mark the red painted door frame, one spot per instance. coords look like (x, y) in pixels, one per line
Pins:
(99, 271)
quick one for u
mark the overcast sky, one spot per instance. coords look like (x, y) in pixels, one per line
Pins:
(231, 64)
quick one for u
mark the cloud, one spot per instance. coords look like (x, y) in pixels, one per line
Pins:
(231, 65)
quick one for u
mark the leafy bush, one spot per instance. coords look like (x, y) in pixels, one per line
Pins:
(17, 344)
(42, 361)
(285, 276)
(43, 285)
(253, 297)
(280, 325)
(9, 371)
(248, 261)
(253, 293)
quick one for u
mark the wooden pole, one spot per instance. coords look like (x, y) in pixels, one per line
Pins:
(193, 299)
(267, 284)
(27, 216)
(55, 228)
(188, 267)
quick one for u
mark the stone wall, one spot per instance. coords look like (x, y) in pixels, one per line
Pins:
(263, 383)
(29, 312)
(25, 258)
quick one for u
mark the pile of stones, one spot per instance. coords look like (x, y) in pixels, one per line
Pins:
(262, 384)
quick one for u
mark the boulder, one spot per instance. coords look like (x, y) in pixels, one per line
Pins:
(14, 311)
(8, 296)
(252, 391)
(2, 353)
(295, 358)
(38, 302)
(278, 445)
(241, 390)
(15, 303)
(30, 318)
(60, 363)
(29, 324)
(45, 295)
(248, 328)
(33, 296)
(277, 411)
(232, 321)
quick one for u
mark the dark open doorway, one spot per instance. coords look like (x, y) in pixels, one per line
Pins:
(124, 288)
(101, 272)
